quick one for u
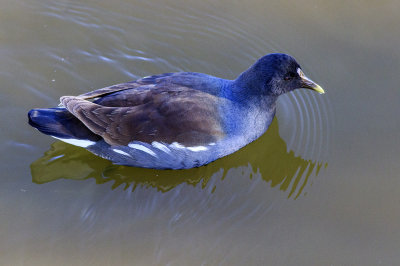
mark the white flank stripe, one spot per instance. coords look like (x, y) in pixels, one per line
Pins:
(197, 148)
(143, 148)
(177, 145)
(78, 142)
(121, 152)
(160, 147)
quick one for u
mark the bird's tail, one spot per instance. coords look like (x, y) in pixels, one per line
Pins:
(59, 123)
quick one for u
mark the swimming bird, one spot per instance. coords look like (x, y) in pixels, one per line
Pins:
(174, 120)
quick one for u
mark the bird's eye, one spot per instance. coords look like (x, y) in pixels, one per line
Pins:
(290, 76)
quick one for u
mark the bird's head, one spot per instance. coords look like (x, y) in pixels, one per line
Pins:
(276, 74)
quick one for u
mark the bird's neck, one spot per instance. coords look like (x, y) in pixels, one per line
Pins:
(248, 114)
(248, 93)
(251, 84)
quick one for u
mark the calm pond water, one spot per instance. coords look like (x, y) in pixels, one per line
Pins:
(321, 187)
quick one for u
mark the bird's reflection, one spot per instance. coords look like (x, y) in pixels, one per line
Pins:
(267, 156)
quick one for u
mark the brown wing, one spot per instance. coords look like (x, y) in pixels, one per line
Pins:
(181, 114)
(126, 86)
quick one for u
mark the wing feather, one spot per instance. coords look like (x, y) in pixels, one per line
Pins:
(150, 80)
(181, 114)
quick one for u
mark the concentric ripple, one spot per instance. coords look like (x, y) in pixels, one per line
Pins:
(305, 121)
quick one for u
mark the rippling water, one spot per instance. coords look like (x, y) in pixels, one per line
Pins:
(320, 187)
(274, 164)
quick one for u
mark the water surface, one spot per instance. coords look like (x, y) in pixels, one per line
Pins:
(320, 187)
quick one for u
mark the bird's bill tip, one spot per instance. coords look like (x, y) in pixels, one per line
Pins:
(307, 83)
(317, 88)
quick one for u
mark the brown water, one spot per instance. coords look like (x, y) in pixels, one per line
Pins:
(321, 187)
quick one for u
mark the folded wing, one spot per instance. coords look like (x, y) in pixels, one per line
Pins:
(150, 113)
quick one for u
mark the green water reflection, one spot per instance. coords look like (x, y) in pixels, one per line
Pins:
(276, 165)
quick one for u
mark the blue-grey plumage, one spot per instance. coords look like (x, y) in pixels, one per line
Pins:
(174, 120)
